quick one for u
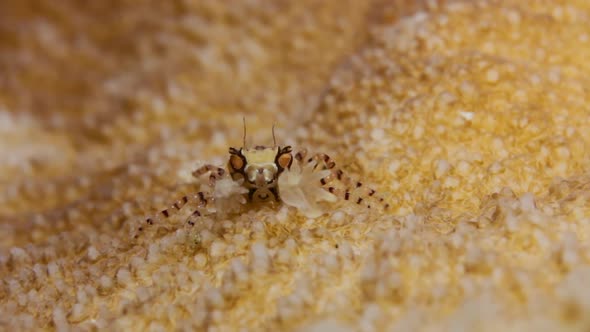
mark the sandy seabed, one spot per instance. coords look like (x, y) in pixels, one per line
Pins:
(470, 118)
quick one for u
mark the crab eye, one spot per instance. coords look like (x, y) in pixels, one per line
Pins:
(284, 160)
(236, 162)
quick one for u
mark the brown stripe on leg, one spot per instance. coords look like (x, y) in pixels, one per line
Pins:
(201, 202)
(199, 198)
(212, 179)
(348, 195)
(327, 179)
(208, 168)
(355, 190)
(202, 199)
(360, 195)
(194, 215)
(359, 189)
(324, 159)
(216, 173)
(300, 156)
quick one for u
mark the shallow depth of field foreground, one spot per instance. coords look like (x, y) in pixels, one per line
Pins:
(470, 118)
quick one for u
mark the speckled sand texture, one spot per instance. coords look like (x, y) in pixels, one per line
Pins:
(471, 118)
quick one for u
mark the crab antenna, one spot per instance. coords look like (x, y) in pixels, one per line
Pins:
(274, 140)
(244, 121)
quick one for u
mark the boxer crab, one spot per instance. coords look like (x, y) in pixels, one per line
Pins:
(264, 174)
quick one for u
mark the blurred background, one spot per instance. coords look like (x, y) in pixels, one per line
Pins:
(81, 81)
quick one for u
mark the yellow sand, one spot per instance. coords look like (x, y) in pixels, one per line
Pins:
(471, 118)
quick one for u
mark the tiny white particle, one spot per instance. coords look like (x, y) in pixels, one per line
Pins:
(337, 216)
(53, 269)
(466, 115)
(527, 202)
(492, 75)
(93, 253)
(418, 132)
(123, 276)
(105, 282)
(378, 134)
(441, 168)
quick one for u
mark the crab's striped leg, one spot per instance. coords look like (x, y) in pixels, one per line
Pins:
(351, 195)
(199, 199)
(324, 161)
(215, 173)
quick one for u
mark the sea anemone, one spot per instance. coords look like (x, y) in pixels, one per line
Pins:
(229, 195)
(300, 187)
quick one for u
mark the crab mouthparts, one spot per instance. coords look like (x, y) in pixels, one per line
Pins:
(260, 180)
